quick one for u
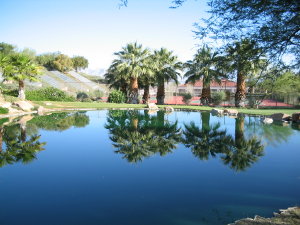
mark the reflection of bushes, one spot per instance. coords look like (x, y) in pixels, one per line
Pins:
(60, 121)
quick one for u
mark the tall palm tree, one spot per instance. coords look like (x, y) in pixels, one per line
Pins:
(20, 67)
(168, 66)
(203, 66)
(132, 62)
(243, 58)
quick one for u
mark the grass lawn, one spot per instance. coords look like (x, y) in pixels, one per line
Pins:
(103, 105)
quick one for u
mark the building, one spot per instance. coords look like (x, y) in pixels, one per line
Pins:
(196, 89)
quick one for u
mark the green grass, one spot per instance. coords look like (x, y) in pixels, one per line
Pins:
(103, 105)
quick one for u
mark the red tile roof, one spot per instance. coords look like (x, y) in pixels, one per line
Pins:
(224, 82)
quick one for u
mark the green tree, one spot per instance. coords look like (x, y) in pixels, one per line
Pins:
(243, 58)
(79, 62)
(47, 59)
(168, 66)
(274, 25)
(19, 67)
(203, 66)
(7, 49)
(131, 63)
(62, 63)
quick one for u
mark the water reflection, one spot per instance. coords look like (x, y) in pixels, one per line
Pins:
(138, 135)
(20, 139)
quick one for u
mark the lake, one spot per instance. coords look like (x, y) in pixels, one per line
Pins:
(139, 168)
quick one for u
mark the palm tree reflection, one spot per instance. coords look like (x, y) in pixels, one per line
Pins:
(137, 136)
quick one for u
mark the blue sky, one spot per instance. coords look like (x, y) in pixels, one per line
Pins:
(98, 28)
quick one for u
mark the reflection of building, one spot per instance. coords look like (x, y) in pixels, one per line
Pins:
(196, 89)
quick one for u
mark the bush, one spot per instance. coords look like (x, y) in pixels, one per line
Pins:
(116, 97)
(11, 92)
(81, 96)
(3, 110)
(186, 98)
(49, 94)
(218, 97)
(97, 94)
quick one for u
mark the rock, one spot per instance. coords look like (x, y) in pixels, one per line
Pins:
(296, 117)
(267, 120)
(280, 117)
(152, 106)
(25, 106)
(290, 216)
(217, 111)
(232, 112)
(169, 109)
(48, 103)
(41, 110)
(5, 104)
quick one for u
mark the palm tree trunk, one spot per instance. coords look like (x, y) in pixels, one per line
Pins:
(21, 90)
(206, 96)
(146, 95)
(161, 92)
(240, 95)
(134, 91)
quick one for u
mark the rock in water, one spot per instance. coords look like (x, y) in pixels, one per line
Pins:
(296, 117)
(169, 109)
(280, 117)
(267, 120)
(231, 112)
(217, 111)
(152, 106)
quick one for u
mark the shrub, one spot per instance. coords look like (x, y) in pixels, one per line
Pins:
(10, 92)
(49, 94)
(3, 110)
(186, 98)
(116, 97)
(97, 94)
(218, 97)
(81, 96)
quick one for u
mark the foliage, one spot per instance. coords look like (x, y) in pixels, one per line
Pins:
(116, 97)
(79, 62)
(47, 60)
(97, 94)
(62, 63)
(49, 94)
(132, 63)
(10, 92)
(186, 97)
(81, 96)
(7, 49)
(218, 97)
(18, 67)
(204, 66)
(274, 25)
(60, 121)
(3, 110)
(167, 69)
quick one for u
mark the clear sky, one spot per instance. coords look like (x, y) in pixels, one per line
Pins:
(96, 29)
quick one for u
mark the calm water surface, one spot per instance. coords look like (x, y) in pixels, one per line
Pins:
(132, 168)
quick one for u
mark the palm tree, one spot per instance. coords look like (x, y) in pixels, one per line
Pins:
(132, 63)
(167, 69)
(203, 66)
(20, 67)
(243, 58)
(117, 80)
